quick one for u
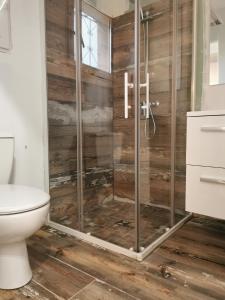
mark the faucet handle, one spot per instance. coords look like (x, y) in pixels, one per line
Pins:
(155, 103)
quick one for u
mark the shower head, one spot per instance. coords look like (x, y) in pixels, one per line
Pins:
(145, 16)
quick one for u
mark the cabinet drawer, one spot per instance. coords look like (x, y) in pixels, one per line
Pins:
(205, 191)
(206, 141)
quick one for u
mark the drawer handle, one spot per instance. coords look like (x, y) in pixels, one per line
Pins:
(213, 128)
(212, 180)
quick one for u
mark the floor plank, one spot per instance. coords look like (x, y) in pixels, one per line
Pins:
(100, 290)
(63, 280)
(31, 291)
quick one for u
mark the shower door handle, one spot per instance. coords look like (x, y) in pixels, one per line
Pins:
(147, 103)
(127, 85)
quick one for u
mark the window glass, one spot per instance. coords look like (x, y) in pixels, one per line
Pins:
(96, 39)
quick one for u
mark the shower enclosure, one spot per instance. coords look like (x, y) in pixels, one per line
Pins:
(119, 87)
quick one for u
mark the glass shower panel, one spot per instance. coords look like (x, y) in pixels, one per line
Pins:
(184, 69)
(155, 133)
(108, 137)
(62, 112)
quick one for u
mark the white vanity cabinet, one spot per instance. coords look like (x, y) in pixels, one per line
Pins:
(205, 178)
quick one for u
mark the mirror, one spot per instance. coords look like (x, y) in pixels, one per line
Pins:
(208, 67)
(217, 42)
(5, 36)
(2, 4)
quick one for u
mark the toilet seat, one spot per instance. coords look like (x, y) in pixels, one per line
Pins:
(17, 199)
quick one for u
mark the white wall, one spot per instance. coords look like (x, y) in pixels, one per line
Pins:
(23, 92)
(113, 8)
(214, 97)
(116, 8)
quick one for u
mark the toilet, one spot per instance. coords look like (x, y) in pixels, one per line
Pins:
(23, 210)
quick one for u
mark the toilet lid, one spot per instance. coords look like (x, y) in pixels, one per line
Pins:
(16, 199)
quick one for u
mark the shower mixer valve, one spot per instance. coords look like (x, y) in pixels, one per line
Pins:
(155, 103)
(145, 107)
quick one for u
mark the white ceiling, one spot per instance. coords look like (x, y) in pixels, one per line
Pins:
(218, 9)
(217, 4)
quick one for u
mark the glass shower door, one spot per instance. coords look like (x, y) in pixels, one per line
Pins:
(155, 129)
(62, 105)
(165, 49)
(107, 74)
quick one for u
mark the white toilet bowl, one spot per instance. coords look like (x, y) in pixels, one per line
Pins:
(23, 210)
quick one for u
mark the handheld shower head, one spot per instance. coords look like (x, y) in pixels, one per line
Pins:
(142, 14)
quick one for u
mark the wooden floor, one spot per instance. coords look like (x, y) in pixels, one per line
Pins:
(189, 265)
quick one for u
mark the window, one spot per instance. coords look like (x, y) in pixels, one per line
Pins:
(90, 38)
(96, 39)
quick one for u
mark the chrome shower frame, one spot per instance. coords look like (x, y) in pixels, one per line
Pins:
(139, 254)
(146, 106)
